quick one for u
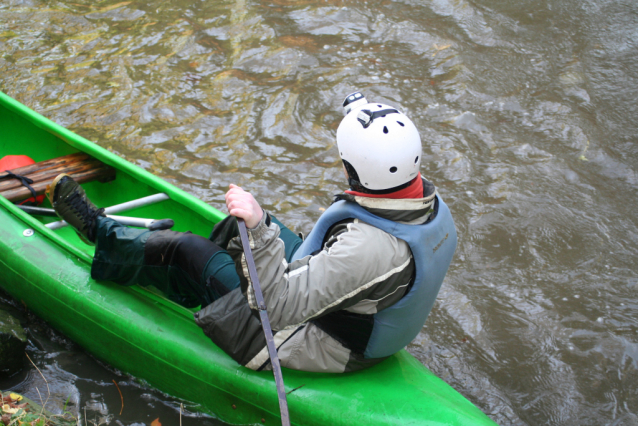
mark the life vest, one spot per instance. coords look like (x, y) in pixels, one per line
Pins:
(432, 245)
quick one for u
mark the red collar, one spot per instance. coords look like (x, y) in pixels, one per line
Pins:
(415, 190)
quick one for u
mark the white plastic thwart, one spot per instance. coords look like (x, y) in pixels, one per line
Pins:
(118, 208)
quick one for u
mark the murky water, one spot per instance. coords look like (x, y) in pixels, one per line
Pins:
(528, 114)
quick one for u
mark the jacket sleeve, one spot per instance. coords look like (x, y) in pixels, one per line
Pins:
(363, 262)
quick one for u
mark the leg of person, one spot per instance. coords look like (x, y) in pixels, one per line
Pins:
(210, 270)
(189, 269)
(171, 261)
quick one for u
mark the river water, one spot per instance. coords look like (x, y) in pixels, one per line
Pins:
(527, 111)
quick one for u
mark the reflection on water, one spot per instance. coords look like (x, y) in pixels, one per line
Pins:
(527, 112)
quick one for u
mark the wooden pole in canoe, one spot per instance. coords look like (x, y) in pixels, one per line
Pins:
(80, 166)
(17, 194)
(63, 161)
(265, 323)
(48, 170)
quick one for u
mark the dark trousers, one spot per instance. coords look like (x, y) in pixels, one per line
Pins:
(189, 269)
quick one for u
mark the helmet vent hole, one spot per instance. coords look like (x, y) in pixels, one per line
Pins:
(416, 160)
(393, 169)
(380, 106)
(385, 130)
(401, 124)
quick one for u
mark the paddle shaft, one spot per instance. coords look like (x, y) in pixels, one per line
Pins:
(265, 323)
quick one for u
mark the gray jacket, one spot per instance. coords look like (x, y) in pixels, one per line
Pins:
(360, 271)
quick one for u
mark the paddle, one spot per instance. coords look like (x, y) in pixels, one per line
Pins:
(265, 323)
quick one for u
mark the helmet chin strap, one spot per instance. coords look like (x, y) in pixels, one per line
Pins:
(355, 185)
(353, 177)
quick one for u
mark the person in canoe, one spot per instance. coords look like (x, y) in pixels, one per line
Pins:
(358, 289)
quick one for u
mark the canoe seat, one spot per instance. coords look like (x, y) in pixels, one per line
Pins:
(80, 166)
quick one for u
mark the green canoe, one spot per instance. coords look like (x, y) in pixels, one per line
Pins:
(140, 332)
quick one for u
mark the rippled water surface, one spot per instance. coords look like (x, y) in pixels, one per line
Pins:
(527, 110)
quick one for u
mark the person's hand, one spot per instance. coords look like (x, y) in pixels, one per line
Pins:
(242, 204)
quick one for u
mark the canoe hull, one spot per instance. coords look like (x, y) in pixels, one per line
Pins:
(142, 333)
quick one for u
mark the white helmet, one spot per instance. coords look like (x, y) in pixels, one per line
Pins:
(380, 146)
